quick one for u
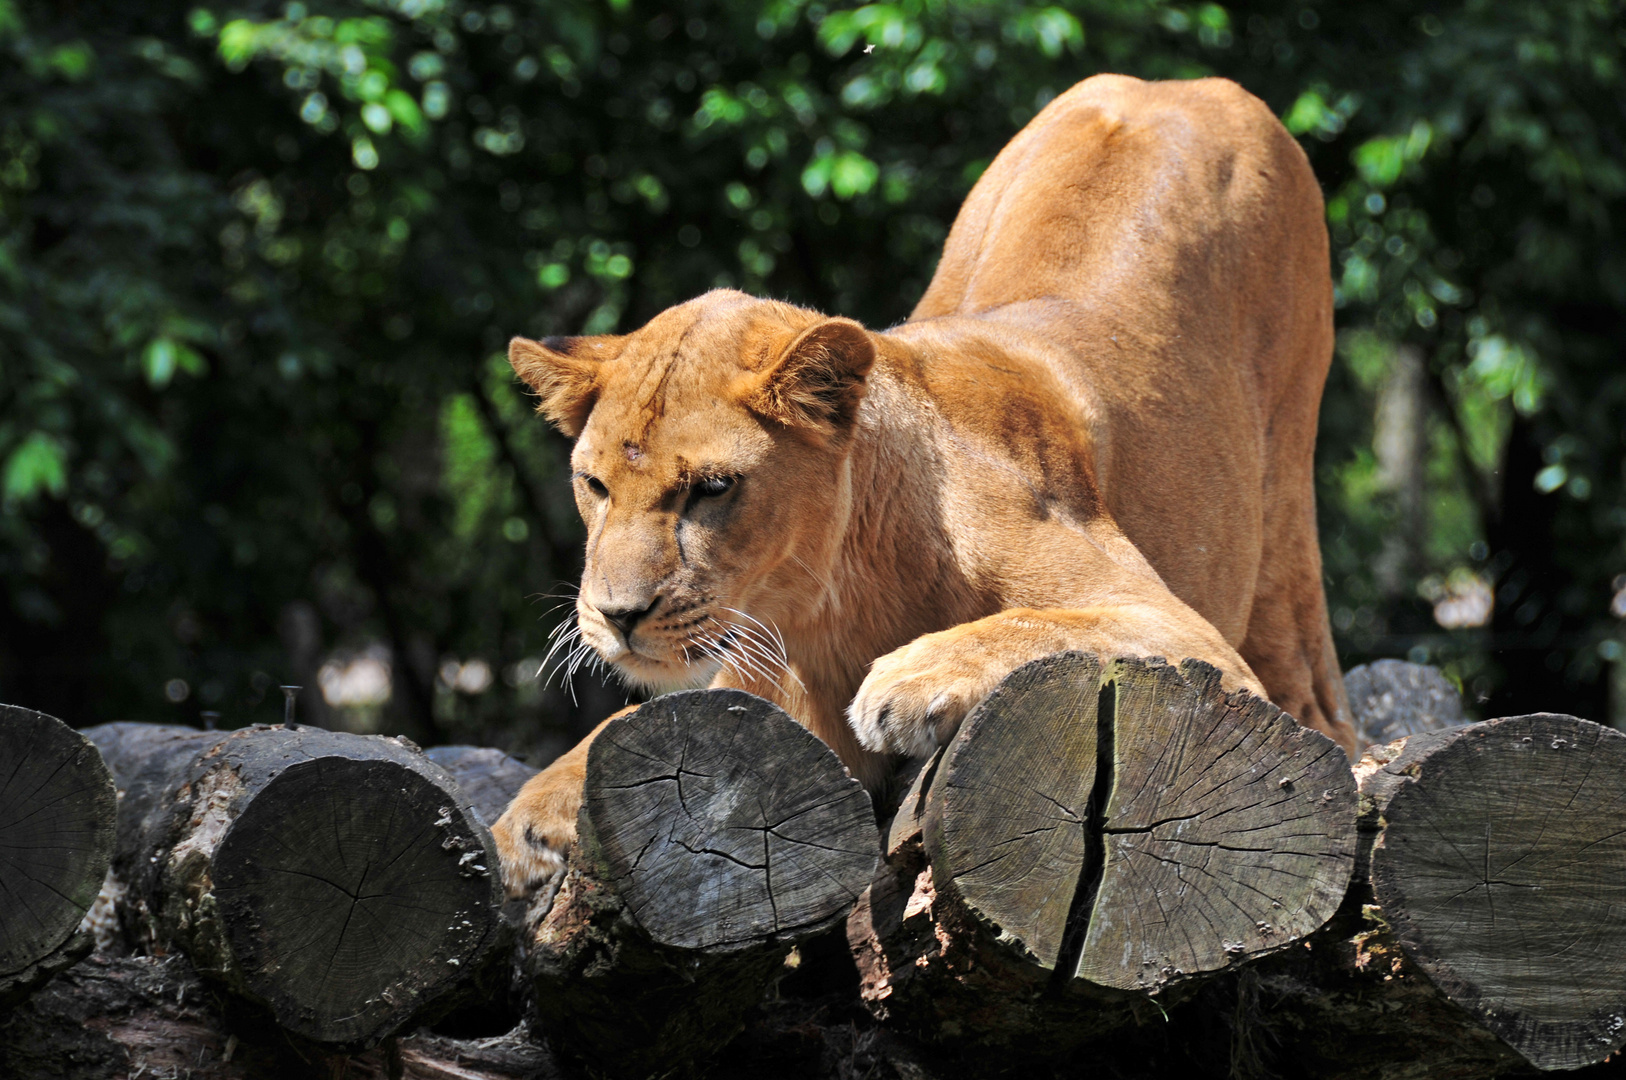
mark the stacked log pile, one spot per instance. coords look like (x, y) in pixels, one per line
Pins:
(1093, 846)
(1120, 866)
(340, 881)
(1486, 927)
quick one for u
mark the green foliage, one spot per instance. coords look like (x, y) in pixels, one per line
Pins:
(258, 263)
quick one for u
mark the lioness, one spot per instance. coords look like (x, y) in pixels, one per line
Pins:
(1095, 432)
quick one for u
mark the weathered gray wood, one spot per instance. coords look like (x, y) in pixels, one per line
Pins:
(1227, 830)
(1099, 838)
(1230, 831)
(57, 810)
(489, 778)
(1483, 935)
(715, 834)
(1391, 699)
(1501, 866)
(342, 881)
(113, 1019)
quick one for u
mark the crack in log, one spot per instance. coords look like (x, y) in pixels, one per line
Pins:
(1079, 913)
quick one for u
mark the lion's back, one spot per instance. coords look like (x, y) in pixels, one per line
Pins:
(1168, 240)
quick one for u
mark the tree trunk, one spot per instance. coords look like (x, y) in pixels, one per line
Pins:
(716, 833)
(343, 881)
(1097, 841)
(57, 812)
(1486, 926)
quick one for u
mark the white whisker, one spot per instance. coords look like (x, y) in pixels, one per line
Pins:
(761, 648)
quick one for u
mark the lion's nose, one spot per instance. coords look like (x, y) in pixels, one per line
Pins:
(624, 619)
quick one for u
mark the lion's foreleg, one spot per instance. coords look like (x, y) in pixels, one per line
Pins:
(915, 697)
(540, 824)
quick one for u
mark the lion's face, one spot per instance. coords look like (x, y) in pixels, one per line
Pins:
(711, 471)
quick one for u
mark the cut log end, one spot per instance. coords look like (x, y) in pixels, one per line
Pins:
(1134, 826)
(1390, 699)
(342, 881)
(1501, 865)
(57, 813)
(721, 822)
(715, 833)
(343, 877)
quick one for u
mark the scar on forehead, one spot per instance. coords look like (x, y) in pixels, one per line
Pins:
(632, 450)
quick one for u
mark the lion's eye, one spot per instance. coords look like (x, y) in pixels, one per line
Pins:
(595, 485)
(712, 486)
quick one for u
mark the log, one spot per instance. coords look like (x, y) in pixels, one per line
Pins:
(1489, 927)
(1390, 699)
(112, 1018)
(341, 881)
(57, 811)
(1094, 843)
(716, 833)
(489, 778)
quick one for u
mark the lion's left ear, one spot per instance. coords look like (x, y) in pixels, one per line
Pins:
(565, 372)
(817, 381)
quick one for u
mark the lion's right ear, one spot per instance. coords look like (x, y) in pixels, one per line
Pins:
(817, 381)
(566, 373)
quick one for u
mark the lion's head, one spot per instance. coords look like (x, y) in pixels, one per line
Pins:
(711, 470)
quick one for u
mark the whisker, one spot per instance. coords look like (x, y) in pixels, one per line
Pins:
(566, 642)
(769, 642)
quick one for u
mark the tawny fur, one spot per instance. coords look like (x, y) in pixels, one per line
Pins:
(1095, 432)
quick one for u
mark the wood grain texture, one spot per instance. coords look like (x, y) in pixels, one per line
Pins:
(721, 822)
(1013, 798)
(57, 823)
(341, 881)
(1501, 866)
(715, 834)
(1230, 831)
(1135, 826)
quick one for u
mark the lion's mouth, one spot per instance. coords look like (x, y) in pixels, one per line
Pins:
(751, 651)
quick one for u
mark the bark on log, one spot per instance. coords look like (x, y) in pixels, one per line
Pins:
(489, 778)
(117, 1018)
(57, 809)
(1099, 840)
(342, 881)
(1493, 918)
(716, 833)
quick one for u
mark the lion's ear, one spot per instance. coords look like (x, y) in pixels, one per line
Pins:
(565, 372)
(817, 381)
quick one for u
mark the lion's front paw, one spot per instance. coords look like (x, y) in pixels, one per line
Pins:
(915, 697)
(534, 832)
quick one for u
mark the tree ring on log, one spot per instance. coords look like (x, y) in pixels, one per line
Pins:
(351, 891)
(57, 810)
(1501, 866)
(1132, 825)
(722, 823)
